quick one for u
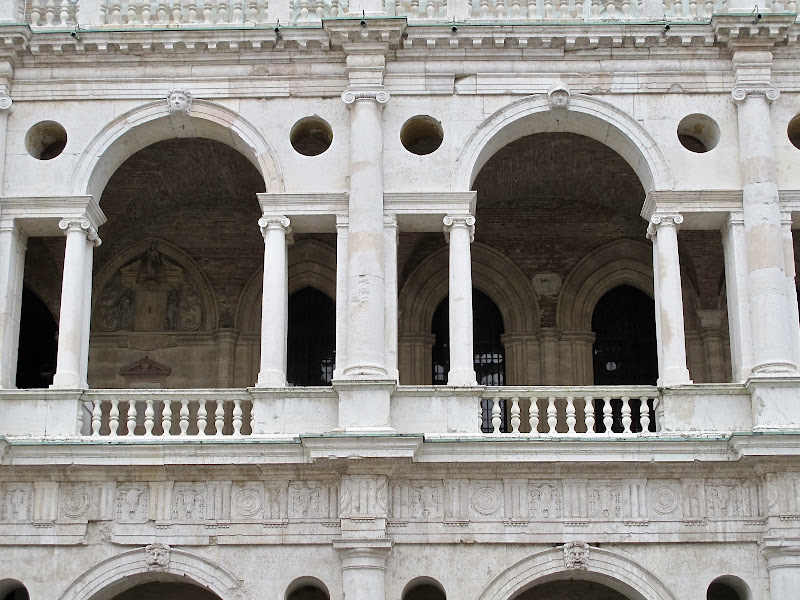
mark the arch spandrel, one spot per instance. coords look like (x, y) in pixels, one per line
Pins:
(493, 273)
(151, 123)
(604, 566)
(585, 115)
(128, 569)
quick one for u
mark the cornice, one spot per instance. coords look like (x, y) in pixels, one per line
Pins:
(753, 30)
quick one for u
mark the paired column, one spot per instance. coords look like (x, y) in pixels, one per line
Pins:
(13, 242)
(275, 300)
(736, 287)
(364, 567)
(76, 297)
(766, 270)
(366, 264)
(459, 231)
(670, 331)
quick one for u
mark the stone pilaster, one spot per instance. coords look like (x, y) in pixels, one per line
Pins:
(459, 232)
(738, 296)
(670, 331)
(73, 324)
(226, 346)
(390, 241)
(416, 358)
(342, 252)
(711, 335)
(793, 322)
(275, 301)
(13, 242)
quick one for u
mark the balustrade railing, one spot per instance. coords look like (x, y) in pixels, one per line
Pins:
(570, 412)
(153, 415)
(51, 13)
(145, 13)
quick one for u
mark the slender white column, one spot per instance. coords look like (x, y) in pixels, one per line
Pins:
(366, 339)
(390, 306)
(364, 567)
(769, 310)
(342, 231)
(670, 333)
(72, 328)
(275, 301)
(459, 231)
(783, 566)
(791, 286)
(735, 252)
(87, 315)
(12, 262)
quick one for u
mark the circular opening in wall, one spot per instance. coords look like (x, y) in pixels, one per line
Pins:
(698, 133)
(793, 131)
(11, 589)
(421, 135)
(311, 136)
(46, 140)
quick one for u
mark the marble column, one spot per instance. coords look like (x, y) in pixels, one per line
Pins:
(670, 331)
(791, 287)
(416, 358)
(342, 251)
(459, 232)
(275, 301)
(783, 566)
(73, 323)
(390, 241)
(366, 267)
(734, 249)
(766, 272)
(364, 567)
(13, 242)
(711, 336)
(226, 353)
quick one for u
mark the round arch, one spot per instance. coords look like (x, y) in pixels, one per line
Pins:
(604, 566)
(128, 569)
(196, 275)
(151, 123)
(493, 273)
(585, 115)
(311, 264)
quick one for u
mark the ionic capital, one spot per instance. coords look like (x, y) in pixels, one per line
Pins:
(467, 221)
(659, 220)
(275, 222)
(352, 95)
(769, 92)
(5, 101)
(83, 225)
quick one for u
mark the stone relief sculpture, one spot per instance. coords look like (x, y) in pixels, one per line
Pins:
(576, 556)
(179, 101)
(559, 95)
(149, 293)
(157, 557)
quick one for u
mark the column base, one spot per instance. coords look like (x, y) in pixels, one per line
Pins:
(678, 376)
(365, 373)
(364, 406)
(462, 378)
(774, 402)
(781, 367)
(67, 381)
(273, 379)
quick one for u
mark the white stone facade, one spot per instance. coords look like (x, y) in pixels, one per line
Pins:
(173, 445)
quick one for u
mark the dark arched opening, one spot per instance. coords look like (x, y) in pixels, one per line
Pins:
(425, 591)
(308, 592)
(560, 590)
(312, 338)
(721, 591)
(488, 350)
(13, 590)
(38, 343)
(171, 590)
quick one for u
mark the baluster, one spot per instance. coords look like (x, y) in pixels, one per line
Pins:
(548, 9)
(252, 12)
(709, 8)
(177, 12)
(183, 423)
(103, 14)
(430, 9)
(496, 418)
(149, 418)
(222, 11)
(262, 11)
(595, 9)
(588, 414)
(237, 417)
(626, 9)
(516, 9)
(131, 16)
(484, 10)
(501, 9)
(166, 418)
(36, 12)
(49, 12)
(533, 416)
(414, 9)
(147, 10)
(163, 16)
(202, 420)
(563, 10)
(192, 10)
(238, 12)
(532, 9)
(320, 9)
(570, 415)
(656, 403)
(644, 415)
(669, 8)
(579, 9)
(334, 8)
(480, 415)
(64, 14)
(608, 418)
(515, 415)
(131, 417)
(610, 9)
(626, 414)
(97, 418)
(303, 11)
(116, 13)
(113, 417)
(208, 12)
(552, 415)
(219, 418)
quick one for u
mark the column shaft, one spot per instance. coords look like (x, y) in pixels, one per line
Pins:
(366, 341)
(390, 308)
(12, 263)
(769, 308)
(735, 252)
(460, 231)
(72, 330)
(87, 314)
(275, 302)
(342, 252)
(364, 567)
(791, 288)
(670, 331)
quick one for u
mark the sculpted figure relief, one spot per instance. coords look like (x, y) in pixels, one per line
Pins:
(157, 557)
(576, 555)
(559, 95)
(179, 101)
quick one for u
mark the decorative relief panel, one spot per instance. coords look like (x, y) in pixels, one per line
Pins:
(486, 500)
(363, 496)
(426, 499)
(188, 502)
(75, 501)
(605, 502)
(545, 501)
(17, 502)
(248, 501)
(133, 503)
(665, 498)
(726, 499)
(312, 500)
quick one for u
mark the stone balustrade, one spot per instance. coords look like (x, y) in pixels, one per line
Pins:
(570, 412)
(243, 13)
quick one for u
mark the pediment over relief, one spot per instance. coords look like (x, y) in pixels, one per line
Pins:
(151, 292)
(145, 367)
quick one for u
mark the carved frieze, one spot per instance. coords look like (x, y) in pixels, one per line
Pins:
(188, 502)
(605, 502)
(363, 496)
(545, 501)
(74, 500)
(133, 503)
(17, 502)
(248, 501)
(486, 500)
(312, 500)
